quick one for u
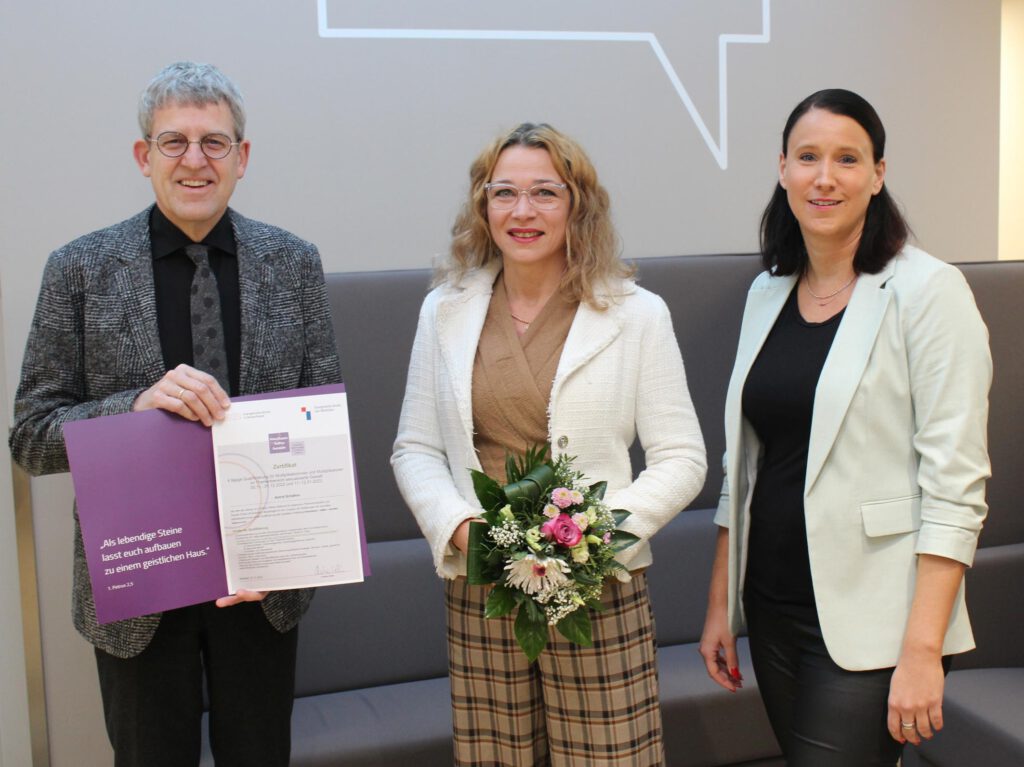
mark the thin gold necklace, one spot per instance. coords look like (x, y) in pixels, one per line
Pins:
(826, 300)
(518, 319)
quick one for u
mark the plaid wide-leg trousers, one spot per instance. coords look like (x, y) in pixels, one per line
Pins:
(574, 706)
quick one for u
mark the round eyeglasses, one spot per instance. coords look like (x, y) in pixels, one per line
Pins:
(545, 196)
(172, 144)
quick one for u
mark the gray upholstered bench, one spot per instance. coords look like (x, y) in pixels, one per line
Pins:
(372, 684)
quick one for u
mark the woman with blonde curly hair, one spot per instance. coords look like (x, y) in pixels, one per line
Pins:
(591, 245)
(535, 333)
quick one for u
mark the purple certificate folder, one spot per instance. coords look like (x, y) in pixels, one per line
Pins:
(147, 502)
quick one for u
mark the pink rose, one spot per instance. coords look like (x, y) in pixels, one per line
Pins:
(561, 497)
(562, 530)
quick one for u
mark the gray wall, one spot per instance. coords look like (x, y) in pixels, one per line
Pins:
(15, 743)
(362, 145)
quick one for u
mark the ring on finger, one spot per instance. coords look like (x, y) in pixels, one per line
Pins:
(180, 392)
(908, 725)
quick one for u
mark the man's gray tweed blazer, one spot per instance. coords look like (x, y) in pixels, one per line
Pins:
(94, 347)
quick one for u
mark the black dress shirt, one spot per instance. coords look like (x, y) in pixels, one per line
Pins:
(172, 282)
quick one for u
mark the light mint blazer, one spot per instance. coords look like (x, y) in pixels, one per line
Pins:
(898, 456)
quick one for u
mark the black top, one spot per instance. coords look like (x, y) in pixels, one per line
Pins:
(172, 282)
(778, 401)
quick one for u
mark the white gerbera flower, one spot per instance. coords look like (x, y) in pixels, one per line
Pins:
(533, 573)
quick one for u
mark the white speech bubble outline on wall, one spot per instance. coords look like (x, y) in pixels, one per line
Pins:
(719, 149)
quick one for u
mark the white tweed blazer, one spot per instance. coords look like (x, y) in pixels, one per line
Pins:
(620, 376)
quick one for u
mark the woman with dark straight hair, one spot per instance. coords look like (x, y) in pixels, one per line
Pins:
(856, 457)
(885, 231)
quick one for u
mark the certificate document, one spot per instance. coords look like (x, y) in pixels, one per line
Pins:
(286, 490)
(146, 487)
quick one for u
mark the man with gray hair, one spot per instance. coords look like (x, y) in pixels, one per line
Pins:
(178, 308)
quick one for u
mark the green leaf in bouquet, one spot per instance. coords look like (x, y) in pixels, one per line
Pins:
(576, 627)
(530, 487)
(488, 492)
(598, 489)
(479, 559)
(596, 605)
(500, 602)
(622, 540)
(620, 516)
(516, 469)
(535, 456)
(533, 610)
(531, 634)
(587, 578)
(513, 471)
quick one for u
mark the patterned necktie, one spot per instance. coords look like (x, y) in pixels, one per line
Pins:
(208, 352)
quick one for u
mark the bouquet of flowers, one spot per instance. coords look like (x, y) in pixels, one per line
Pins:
(548, 543)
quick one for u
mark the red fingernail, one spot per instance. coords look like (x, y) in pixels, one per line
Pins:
(735, 673)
